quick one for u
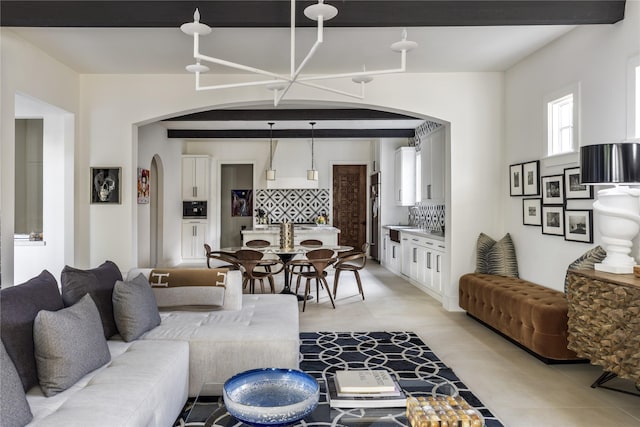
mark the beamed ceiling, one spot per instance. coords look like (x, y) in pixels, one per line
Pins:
(53, 25)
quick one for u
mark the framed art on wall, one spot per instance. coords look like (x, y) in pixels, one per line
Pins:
(143, 186)
(241, 202)
(105, 185)
(553, 220)
(579, 225)
(531, 212)
(553, 190)
(531, 178)
(515, 179)
(574, 189)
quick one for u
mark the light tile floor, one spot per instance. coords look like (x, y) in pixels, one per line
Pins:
(517, 387)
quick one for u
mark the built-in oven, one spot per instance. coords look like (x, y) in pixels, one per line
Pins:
(194, 209)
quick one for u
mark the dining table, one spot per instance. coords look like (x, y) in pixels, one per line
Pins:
(288, 254)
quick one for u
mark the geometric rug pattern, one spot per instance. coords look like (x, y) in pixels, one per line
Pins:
(402, 354)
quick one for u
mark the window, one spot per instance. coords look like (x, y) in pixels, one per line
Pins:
(28, 177)
(560, 125)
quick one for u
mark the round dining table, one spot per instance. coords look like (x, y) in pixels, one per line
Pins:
(286, 255)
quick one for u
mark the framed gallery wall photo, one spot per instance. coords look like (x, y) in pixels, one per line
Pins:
(553, 190)
(531, 178)
(515, 179)
(532, 212)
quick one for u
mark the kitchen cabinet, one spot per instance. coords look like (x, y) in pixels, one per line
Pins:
(432, 160)
(423, 260)
(407, 255)
(195, 178)
(384, 260)
(194, 236)
(394, 257)
(405, 176)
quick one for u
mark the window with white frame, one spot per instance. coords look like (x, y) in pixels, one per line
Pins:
(560, 126)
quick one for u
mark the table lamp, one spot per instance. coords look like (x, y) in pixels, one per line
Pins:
(617, 209)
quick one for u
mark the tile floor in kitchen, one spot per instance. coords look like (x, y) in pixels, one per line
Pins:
(517, 387)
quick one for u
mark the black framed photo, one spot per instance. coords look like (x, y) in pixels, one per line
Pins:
(574, 189)
(531, 178)
(515, 179)
(105, 185)
(553, 220)
(553, 190)
(579, 225)
(531, 212)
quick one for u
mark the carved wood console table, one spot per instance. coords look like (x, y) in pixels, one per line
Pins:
(604, 322)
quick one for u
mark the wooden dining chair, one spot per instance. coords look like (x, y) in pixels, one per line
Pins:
(308, 243)
(252, 263)
(228, 258)
(318, 260)
(353, 261)
(257, 243)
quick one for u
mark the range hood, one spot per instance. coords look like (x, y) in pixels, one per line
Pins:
(291, 159)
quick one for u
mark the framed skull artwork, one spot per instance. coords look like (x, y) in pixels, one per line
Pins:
(105, 185)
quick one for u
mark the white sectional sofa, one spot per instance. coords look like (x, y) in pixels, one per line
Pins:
(148, 380)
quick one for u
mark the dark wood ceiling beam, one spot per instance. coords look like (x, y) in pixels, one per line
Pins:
(275, 13)
(284, 114)
(289, 133)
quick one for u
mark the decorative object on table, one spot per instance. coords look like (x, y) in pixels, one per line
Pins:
(437, 411)
(531, 178)
(573, 187)
(241, 202)
(105, 185)
(396, 398)
(281, 83)
(364, 381)
(636, 271)
(553, 220)
(323, 219)
(312, 174)
(286, 235)
(271, 172)
(617, 209)
(515, 179)
(271, 396)
(532, 212)
(578, 225)
(143, 186)
(553, 190)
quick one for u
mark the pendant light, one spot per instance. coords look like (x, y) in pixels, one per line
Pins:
(271, 172)
(312, 174)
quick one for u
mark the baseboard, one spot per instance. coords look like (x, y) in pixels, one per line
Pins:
(543, 359)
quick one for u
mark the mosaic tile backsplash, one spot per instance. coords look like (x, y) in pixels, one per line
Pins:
(427, 216)
(292, 205)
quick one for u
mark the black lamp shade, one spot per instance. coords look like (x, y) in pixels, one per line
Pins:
(617, 163)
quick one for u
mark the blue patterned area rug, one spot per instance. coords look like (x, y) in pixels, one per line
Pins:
(403, 354)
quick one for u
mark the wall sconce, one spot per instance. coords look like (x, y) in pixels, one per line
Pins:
(617, 208)
(312, 174)
(271, 172)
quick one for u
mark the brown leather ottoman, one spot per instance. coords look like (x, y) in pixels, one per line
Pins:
(531, 315)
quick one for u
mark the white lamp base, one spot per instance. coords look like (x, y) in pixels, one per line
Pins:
(615, 269)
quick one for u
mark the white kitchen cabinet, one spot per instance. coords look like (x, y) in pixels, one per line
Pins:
(195, 178)
(384, 256)
(194, 236)
(394, 257)
(432, 159)
(407, 255)
(422, 262)
(405, 176)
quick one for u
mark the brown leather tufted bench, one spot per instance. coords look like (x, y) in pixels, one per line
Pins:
(531, 315)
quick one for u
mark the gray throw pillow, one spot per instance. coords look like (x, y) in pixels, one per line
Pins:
(497, 258)
(69, 344)
(586, 261)
(134, 308)
(19, 306)
(97, 282)
(14, 409)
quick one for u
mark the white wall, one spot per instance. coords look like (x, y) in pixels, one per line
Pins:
(595, 57)
(28, 71)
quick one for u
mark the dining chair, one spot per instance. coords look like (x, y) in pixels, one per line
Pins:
(317, 260)
(353, 261)
(226, 257)
(255, 267)
(257, 243)
(308, 243)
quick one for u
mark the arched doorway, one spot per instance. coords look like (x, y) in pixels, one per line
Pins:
(156, 218)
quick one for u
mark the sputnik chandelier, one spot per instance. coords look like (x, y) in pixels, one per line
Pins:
(279, 83)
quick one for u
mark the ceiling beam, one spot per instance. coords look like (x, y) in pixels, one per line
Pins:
(275, 13)
(288, 133)
(298, 114)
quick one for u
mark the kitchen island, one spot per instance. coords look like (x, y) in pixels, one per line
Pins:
(327, 234)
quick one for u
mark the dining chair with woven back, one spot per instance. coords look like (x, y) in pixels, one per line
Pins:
(353, 261)
(317, 261)
(256, 268)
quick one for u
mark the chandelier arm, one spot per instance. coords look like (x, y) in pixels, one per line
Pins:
(231, 85)
(293, 38)
(329, 89)
(312, 51)
(240, 67)
(355, 74)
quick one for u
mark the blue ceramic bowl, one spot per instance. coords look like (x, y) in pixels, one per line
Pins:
(270, 396)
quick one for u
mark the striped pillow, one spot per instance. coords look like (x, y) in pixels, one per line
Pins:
(498, 258)
(586, 261)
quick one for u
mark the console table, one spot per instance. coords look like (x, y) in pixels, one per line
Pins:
(604, 322)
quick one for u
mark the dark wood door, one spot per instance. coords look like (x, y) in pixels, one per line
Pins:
(350, 204)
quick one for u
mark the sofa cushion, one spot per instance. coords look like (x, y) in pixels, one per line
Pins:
(497, 258)
(98, 283)
(134, 308)
(68, 345)
(19, 306)
(189, 288)
(14, 409)
(586, 261)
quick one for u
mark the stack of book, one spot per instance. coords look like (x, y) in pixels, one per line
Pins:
(365, 389)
